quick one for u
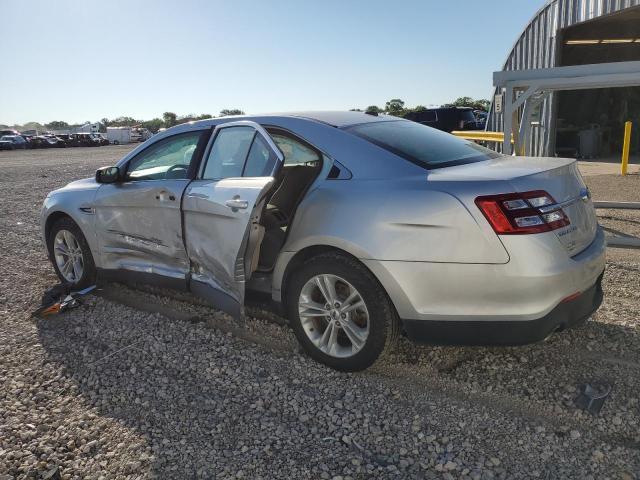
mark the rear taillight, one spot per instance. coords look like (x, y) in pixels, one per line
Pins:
(522, 213)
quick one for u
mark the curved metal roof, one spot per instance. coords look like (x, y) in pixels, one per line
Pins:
(537, 47)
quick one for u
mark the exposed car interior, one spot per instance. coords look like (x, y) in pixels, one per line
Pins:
(302, 164)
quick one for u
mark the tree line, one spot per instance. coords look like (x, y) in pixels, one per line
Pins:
(395, 107)
(169, 119)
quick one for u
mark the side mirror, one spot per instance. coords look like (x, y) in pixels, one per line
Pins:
(107, 175)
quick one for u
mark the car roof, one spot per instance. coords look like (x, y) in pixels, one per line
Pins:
(323, 130)
(448, 108)
(339, 119)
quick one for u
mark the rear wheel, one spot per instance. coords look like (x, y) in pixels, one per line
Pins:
(339, 312)
(71, 255)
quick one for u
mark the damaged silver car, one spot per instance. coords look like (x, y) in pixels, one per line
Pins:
(360, 227)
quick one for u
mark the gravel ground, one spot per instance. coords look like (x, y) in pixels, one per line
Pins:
(143, 383)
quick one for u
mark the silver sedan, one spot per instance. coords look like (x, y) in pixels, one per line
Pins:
(360, 228)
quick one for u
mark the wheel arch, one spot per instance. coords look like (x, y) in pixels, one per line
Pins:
(281, 278)
(53, 217)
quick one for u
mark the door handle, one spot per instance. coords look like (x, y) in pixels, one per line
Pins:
(165, 196)
(236, 203)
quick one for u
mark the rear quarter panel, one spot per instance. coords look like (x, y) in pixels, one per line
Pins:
(402, 219)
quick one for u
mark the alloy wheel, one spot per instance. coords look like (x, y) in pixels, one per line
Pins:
(334, 316)
(68, 255)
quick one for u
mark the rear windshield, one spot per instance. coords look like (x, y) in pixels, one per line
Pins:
(467, 116)
(422, 145)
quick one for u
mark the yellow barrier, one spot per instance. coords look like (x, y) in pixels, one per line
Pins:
(481, 136)
(625, 148)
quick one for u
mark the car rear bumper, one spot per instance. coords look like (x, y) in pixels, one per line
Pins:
(538, 277)
(507, 332)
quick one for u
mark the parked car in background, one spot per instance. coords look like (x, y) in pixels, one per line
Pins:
(100, 138)
(69, 139)
(481, 119)
(55, 141)
(87, 140)
(9, 132)
(446, 119)
(12, 142)
(139, 134)
(41, 141)
(358, 226)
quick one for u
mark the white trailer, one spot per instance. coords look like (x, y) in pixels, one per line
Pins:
(88, 128)
(119, 135)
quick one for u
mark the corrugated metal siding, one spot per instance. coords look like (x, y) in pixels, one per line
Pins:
(537, 48)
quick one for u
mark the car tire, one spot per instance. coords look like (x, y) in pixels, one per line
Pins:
(349, 275)
(78, 242)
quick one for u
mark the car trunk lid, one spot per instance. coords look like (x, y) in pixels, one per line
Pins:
(565, 184)
(559, 177)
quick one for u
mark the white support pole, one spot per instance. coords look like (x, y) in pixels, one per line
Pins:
(508, 120)
(623, 242)
(525, 127)
(525, 124)
(618, 205)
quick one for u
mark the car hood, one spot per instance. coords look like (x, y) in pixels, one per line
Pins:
(84, 184)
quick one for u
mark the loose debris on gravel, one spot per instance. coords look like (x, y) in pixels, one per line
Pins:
(143, 383)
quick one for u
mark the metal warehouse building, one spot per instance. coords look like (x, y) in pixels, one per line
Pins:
(583, 122)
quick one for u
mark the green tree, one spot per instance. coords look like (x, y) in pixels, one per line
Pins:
(184, 119)
(463, 102)
(373, 110)
(483, 105)
(153, 125)
(169, 118)
(470, 102)
(30, 126)
(192, 118)
(123, 122)
(234, 111)
(395, 106)
(57, 125)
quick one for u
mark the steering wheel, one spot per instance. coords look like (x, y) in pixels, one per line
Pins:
(173, 168)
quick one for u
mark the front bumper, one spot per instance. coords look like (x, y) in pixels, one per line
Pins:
(505, 332)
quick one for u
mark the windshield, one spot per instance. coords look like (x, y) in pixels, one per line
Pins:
(422, 145)
(6, 139)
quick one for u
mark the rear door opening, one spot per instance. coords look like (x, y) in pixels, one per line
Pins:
(302, 164)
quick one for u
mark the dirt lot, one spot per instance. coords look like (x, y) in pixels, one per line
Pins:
(145, 384)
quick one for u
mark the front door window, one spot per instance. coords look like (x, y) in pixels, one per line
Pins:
(168, 159)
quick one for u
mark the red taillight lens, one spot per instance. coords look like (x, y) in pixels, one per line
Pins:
(519, 213)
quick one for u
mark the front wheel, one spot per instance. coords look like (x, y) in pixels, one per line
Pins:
(71, 255)
(339, 312)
